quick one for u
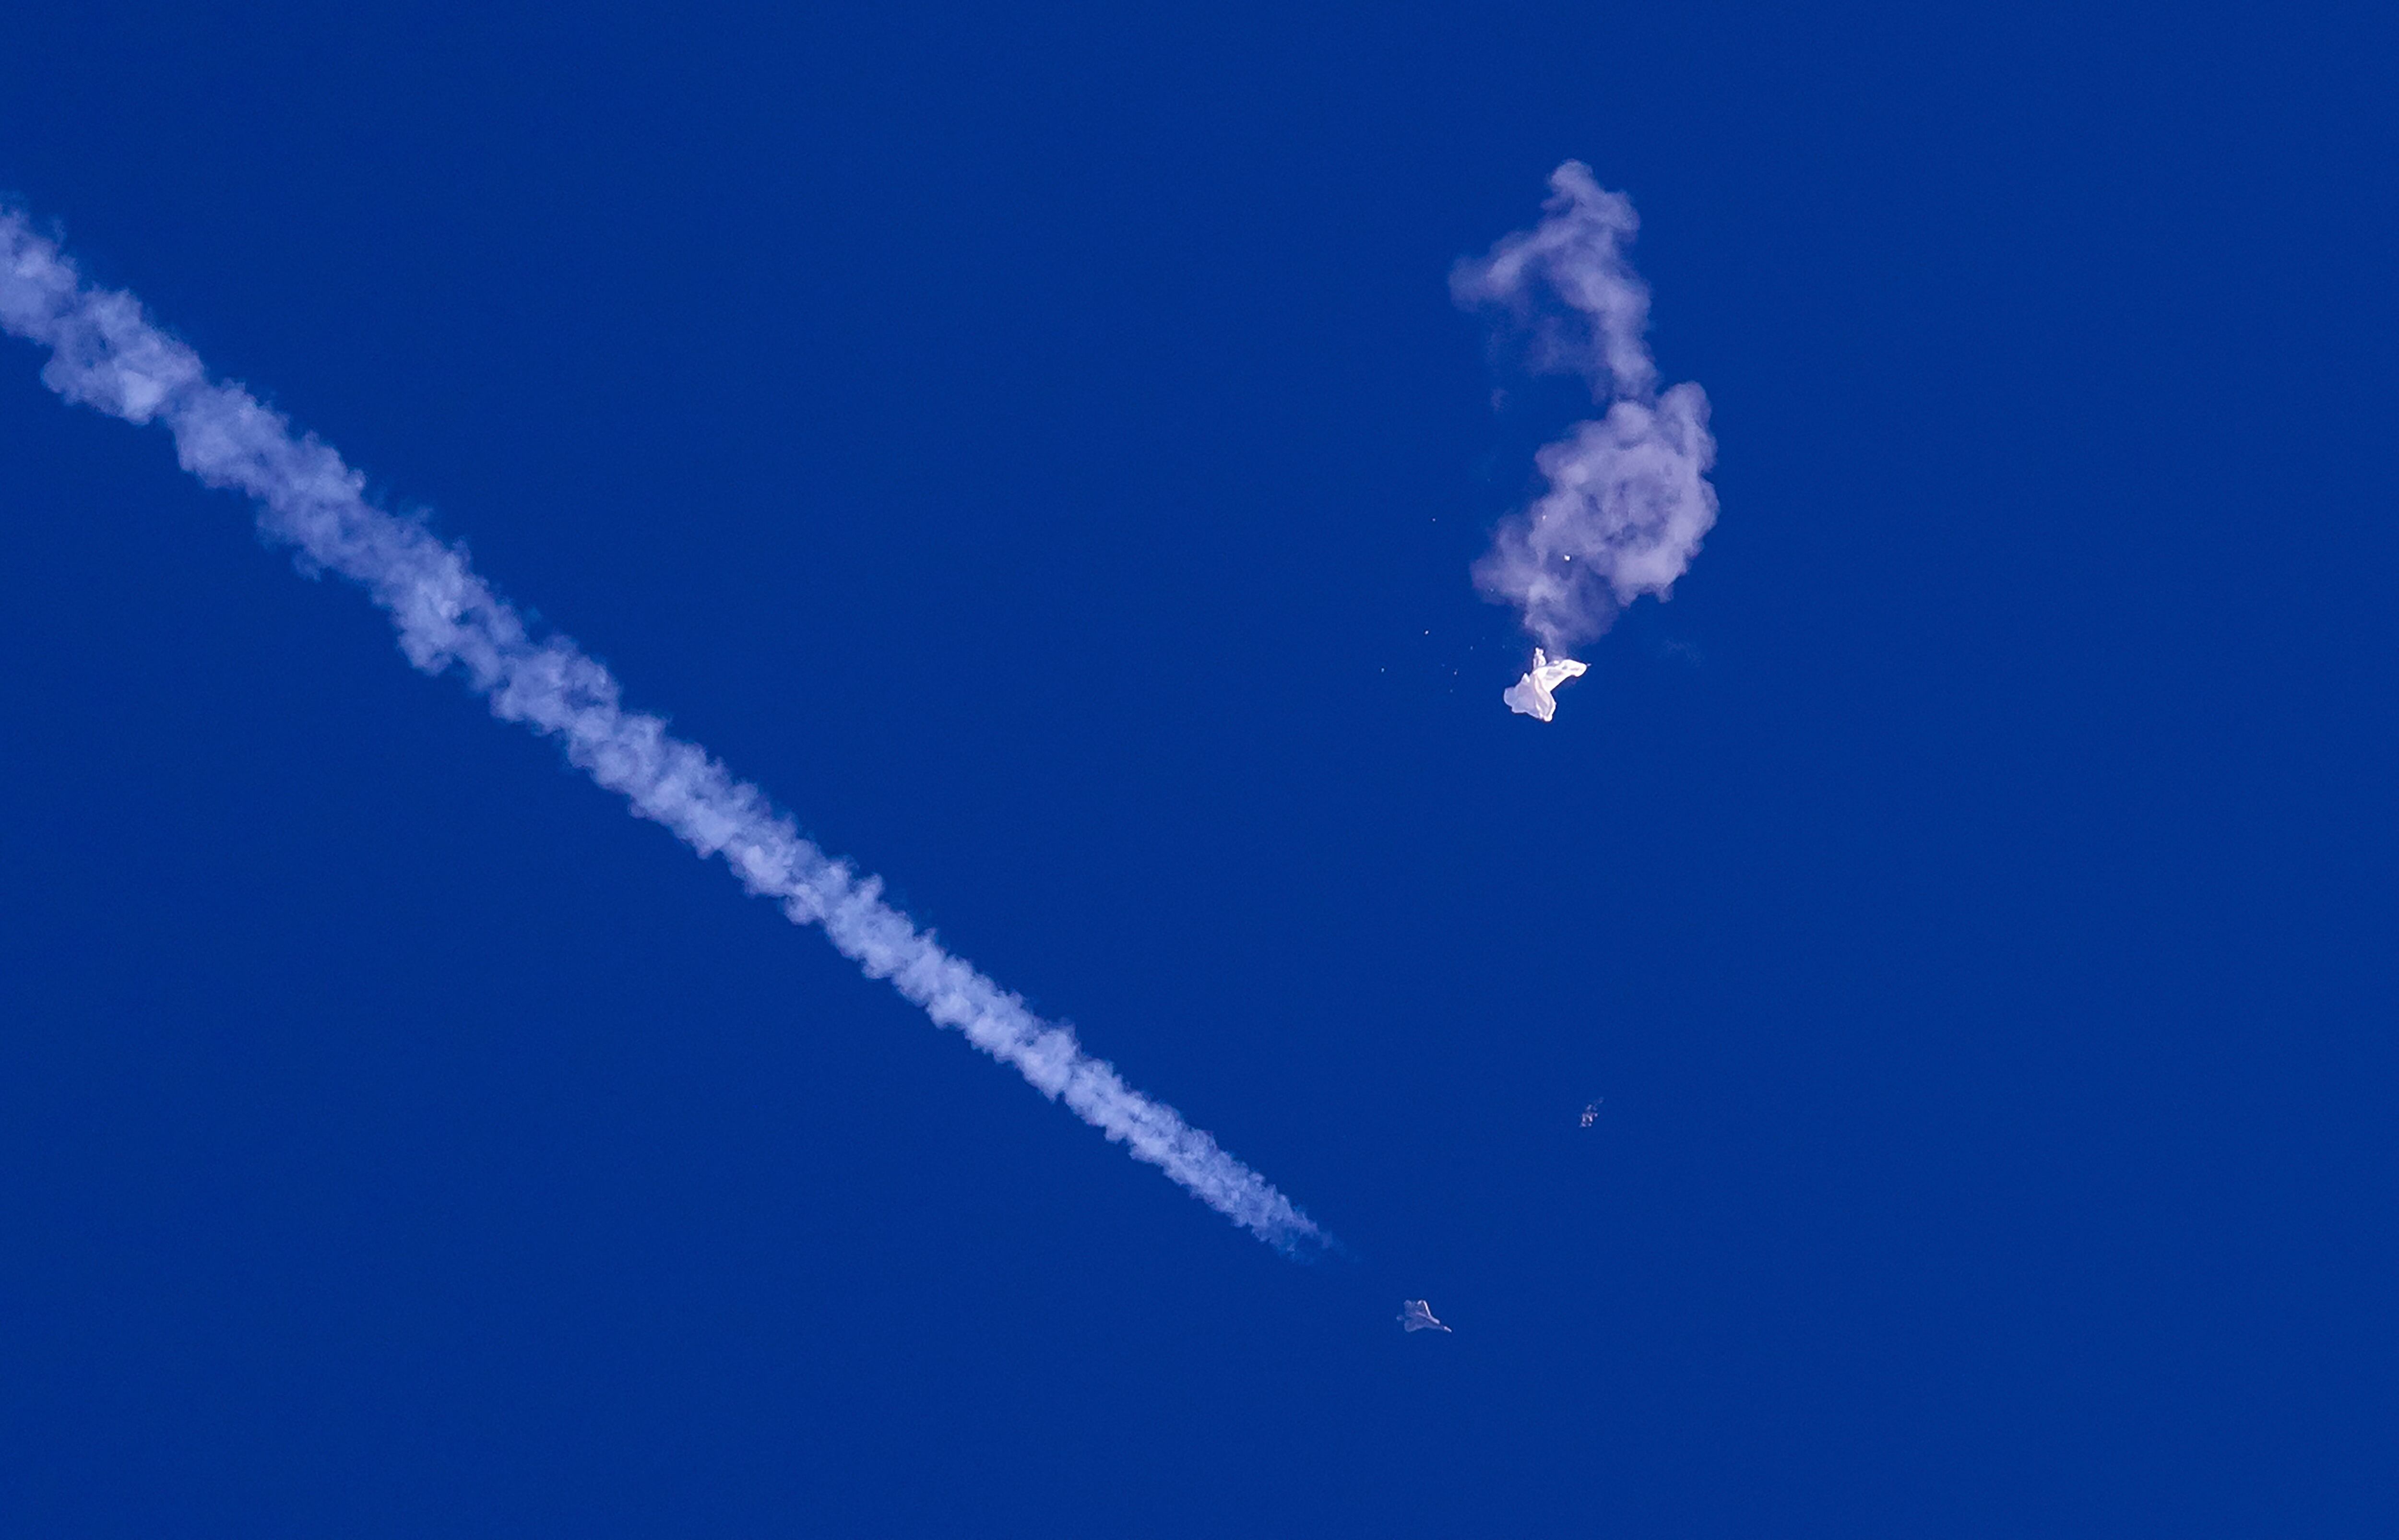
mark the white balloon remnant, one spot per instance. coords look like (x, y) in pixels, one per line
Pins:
(1530, 695)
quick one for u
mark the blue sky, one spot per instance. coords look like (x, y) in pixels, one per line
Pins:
(1041, 450)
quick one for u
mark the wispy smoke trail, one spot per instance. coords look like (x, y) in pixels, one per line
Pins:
(106, 353)
(1628, 499)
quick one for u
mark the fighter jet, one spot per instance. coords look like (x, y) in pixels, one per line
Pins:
(1530, 695)
(1417, 1315)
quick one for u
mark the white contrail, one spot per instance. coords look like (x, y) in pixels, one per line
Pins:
(1628, 499)
(106, 353)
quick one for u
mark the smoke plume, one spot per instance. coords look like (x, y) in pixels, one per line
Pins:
(106, 353)
(1628, 498)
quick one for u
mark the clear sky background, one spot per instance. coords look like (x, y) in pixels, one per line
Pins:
(1037, 445)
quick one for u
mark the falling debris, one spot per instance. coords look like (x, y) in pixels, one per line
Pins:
(1590, 1112)
(1530, 695)
(1417, 1315)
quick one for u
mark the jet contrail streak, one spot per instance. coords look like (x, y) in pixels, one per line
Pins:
(106, 353)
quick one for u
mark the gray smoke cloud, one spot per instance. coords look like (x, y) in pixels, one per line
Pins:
(1628, 499)
(107, 354)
